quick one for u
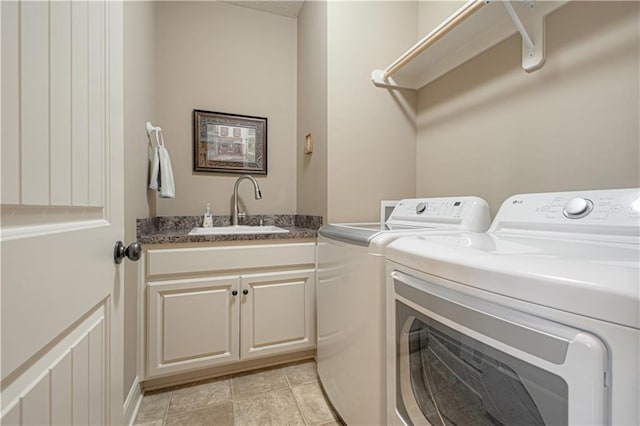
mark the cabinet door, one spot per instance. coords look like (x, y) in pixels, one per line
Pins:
(192, 323)
(277, 313)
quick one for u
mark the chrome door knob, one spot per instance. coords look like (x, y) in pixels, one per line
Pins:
(133, 251)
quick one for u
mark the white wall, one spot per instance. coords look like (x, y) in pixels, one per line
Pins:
(139, 107)
(371, 131)
(312, 109)
(220, 57)
(490, 129)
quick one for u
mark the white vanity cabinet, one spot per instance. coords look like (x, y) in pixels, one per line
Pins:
(209, 306)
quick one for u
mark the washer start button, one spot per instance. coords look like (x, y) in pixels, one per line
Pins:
(576, 208)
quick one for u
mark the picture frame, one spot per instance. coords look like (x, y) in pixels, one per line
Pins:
(229, 143)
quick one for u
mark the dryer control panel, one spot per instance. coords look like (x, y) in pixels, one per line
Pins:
(605, 212)
(468, 213)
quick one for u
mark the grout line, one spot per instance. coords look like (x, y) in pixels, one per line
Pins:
(287, 378)
(231, 391)
(232, 400)
(233, 410)
(166, 409)
(295, 400)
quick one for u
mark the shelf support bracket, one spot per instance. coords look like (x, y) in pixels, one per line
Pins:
(378, 79)
(532, 45)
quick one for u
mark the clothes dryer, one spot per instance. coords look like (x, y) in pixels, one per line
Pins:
(535, 322)
(350, 298)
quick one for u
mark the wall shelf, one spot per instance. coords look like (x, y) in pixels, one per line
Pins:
(477, 26)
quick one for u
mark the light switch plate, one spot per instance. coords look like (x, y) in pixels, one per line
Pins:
(308, 144)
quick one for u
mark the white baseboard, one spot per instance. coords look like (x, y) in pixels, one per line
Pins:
(132, 403)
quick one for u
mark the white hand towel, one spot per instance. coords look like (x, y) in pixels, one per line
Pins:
(154, 175)
(167, 185)
(161, 172)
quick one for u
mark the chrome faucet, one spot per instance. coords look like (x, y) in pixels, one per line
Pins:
(237, 214)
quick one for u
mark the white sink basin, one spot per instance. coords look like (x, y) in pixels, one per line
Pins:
(236, 230)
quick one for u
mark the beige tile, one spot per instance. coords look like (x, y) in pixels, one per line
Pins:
(200, 395)
(246, 385)
(301, 372)
(216, 415)
(276, 408)
(311, 401)
(153, 406)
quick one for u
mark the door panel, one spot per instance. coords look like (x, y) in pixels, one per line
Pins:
(288, 322)
(277, 312)
(79, 104)
(61, 392)
(67, 384)
(60, 92)
(10, 97)
(61, 293)
(192, 323)
(34, 102)
(183, 314)
(36, 404)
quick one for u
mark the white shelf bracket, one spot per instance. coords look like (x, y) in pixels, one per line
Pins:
(532, 37)
(377, 78)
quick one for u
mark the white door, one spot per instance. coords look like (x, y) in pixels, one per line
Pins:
(62, 211)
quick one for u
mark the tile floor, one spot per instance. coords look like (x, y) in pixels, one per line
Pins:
(284, 395)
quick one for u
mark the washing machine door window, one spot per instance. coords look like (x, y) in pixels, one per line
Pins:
(464, 361)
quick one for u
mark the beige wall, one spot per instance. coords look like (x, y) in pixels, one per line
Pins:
(220, 57)
(312, 109)
(431, 13)
(371, 131)
(139, 107)
(490, 129)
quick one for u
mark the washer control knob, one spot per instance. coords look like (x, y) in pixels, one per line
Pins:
(578, 207)
(421, 207)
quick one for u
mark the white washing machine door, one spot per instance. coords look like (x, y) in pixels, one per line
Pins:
(463, 360)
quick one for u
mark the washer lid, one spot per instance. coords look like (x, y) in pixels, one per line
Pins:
(416, 214)
(362, 233)
(596, 279)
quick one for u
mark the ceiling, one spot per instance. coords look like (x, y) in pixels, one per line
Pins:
(289, 8)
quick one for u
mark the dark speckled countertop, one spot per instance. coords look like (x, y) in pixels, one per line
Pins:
(175, 229)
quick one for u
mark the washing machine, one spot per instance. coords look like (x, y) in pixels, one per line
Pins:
(535, 322)
(351, 304)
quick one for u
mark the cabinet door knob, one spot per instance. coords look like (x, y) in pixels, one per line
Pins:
(234, 293)
(245, 292)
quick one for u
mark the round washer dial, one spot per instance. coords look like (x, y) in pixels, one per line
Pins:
(578, 207)
(421, 207)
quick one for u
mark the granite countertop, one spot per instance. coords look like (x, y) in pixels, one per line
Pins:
(175, 229)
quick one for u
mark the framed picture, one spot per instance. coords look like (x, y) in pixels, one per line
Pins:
(229, 143)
